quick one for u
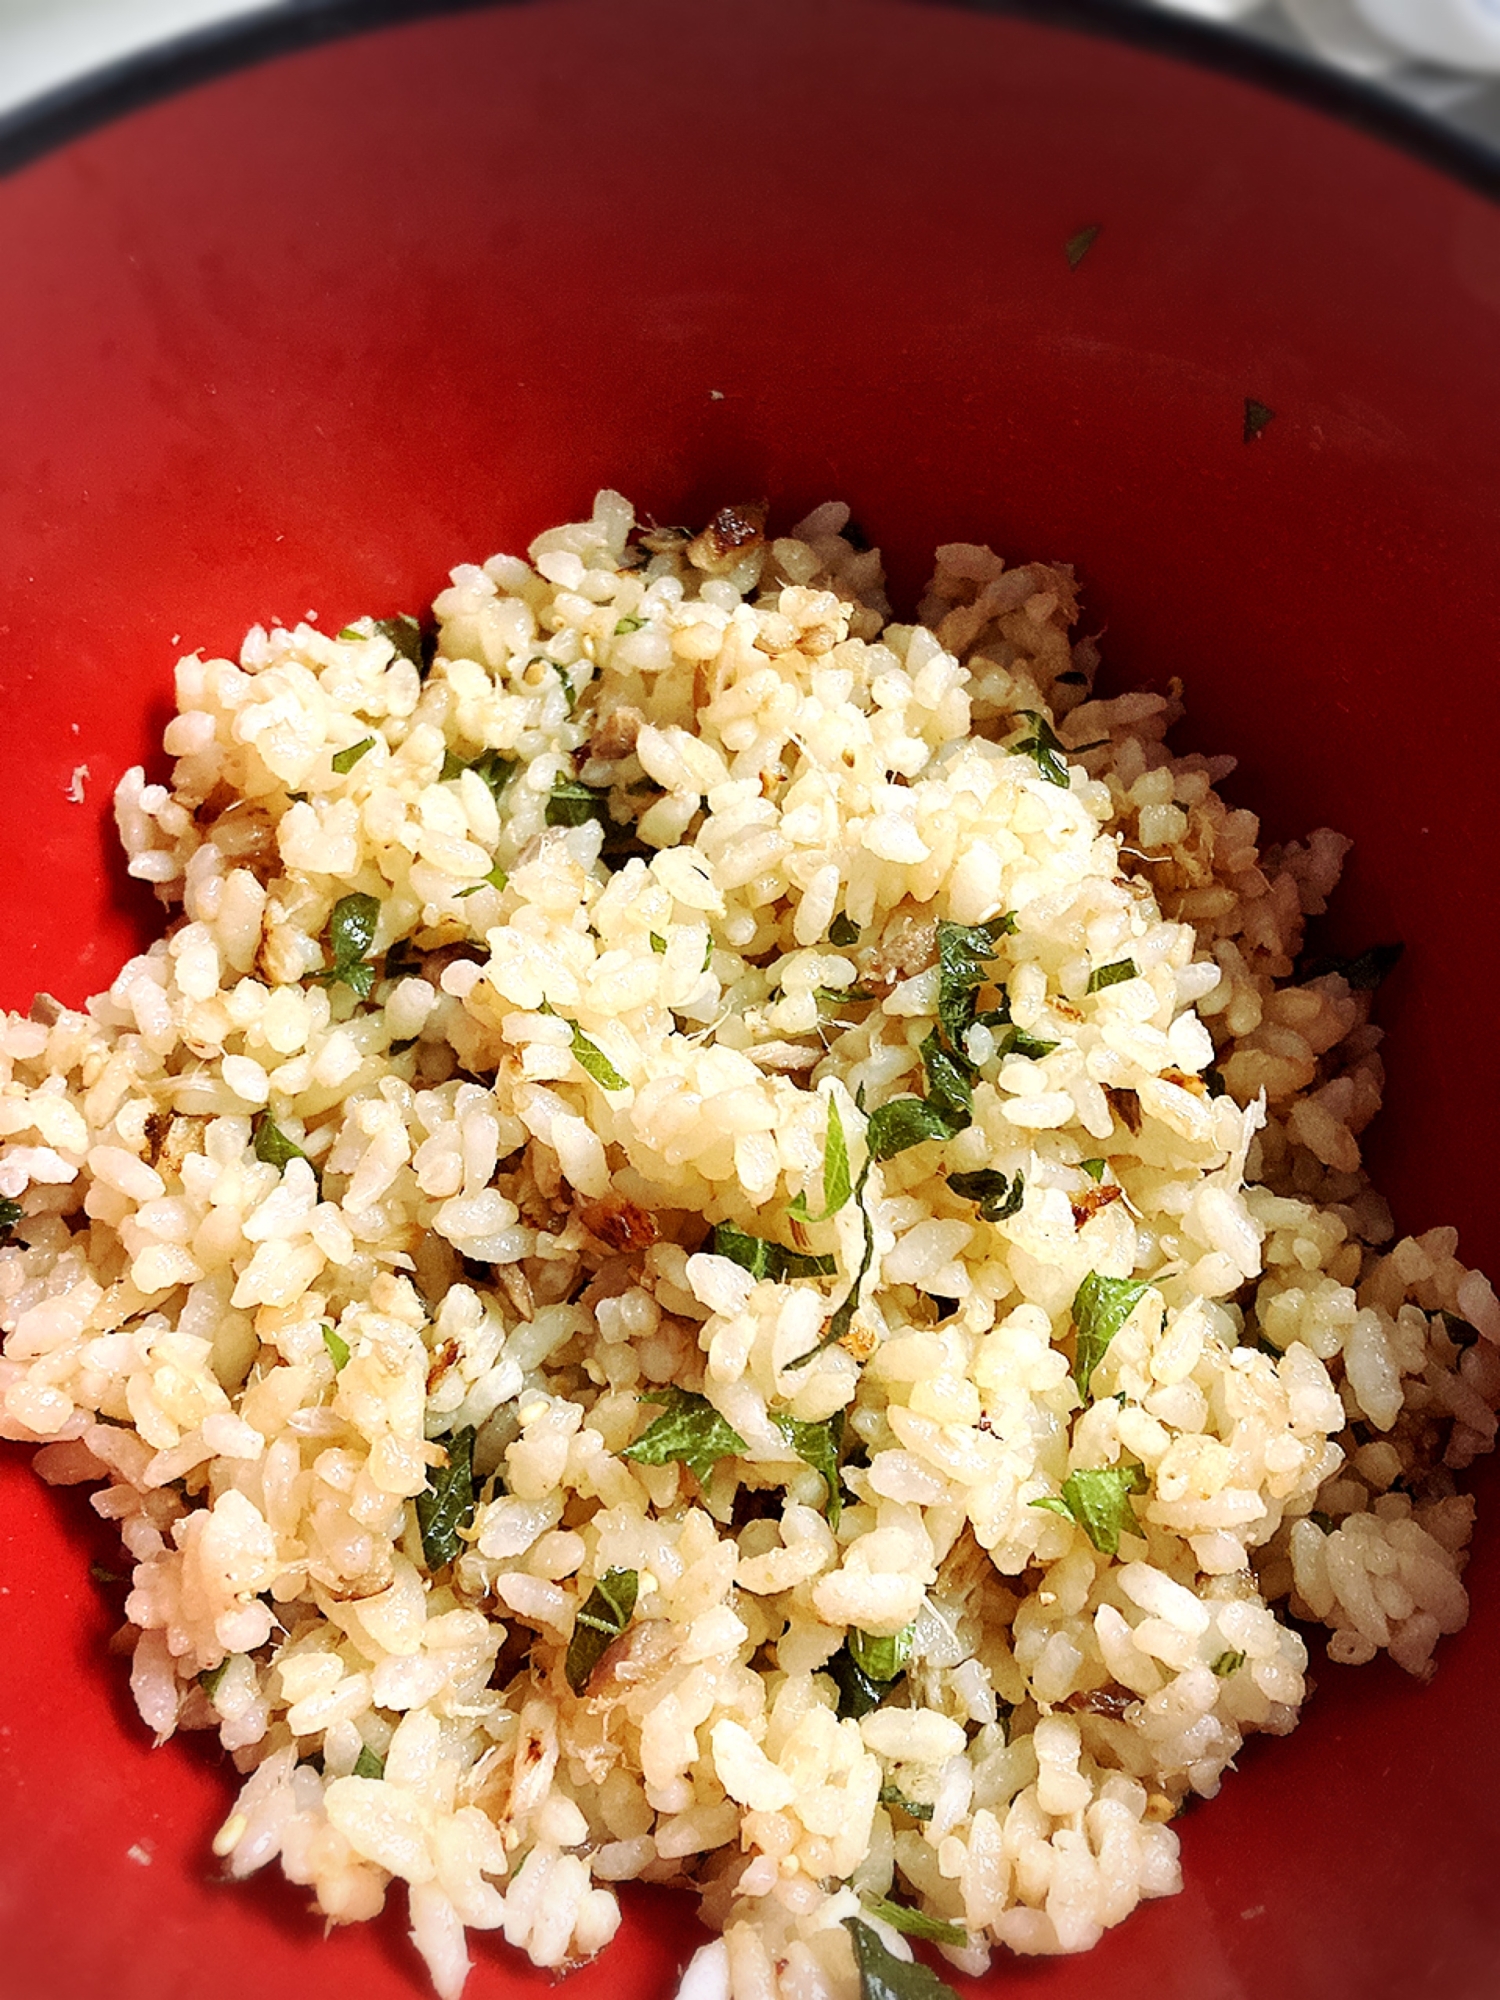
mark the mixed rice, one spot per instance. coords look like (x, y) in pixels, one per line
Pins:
(725, 1245)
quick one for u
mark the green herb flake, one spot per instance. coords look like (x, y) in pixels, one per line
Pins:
(624, 625)
(1093, 1168)
(209, 1679)
(344, 761)
(570, 693)
(358, 974)
(1324, 1523)
(949, 1084)
(603, 1616)
(658, 945)
(843, 931)
(764, 1259)
(1078, 247)
(975, 944)
(965, 951)
(574, 804)
(1099, 1501)
(998, 1198)
(882, 1659)
(1227, 1664)
(906, 1122)
(496, 879)
(445, 1507)
(1257, 416)
(367, 1764)
(915, 1923)
(1363, 973)
(752, 1253)
(495, 771)
(883, 1976)
(835, 1153)
(1101, 1307)
(1016, 1042)
(837, 1184)
(453, 767)
(272, 1147)
(861, 1691)
(102, 1574)
(10, 1214)
(689, 1432)
(842, 996)
(1112, 975)
(592, 1058)
(843, 1318)
(351, 932)
(405, 636)
(1042, 745)
(997, 1016)
(818, 1446)
(858, 1696)
(338, 1348)
(892, 1795)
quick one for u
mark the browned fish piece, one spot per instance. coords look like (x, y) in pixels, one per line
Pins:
(620, 1224)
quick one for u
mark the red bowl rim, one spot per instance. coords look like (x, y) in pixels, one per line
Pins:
(133, 82)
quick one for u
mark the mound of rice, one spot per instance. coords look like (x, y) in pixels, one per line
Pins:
(722, 1245)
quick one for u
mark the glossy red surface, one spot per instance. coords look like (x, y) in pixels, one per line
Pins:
(302, 338)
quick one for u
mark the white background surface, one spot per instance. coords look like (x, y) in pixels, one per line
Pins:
(1398, 44)
(46, 43)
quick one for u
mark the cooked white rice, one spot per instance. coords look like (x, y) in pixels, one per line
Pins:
(492, 1214)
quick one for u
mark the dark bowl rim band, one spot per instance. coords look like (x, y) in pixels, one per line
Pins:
(53, 120)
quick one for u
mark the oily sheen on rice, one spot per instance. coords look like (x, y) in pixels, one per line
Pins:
(514, 1080)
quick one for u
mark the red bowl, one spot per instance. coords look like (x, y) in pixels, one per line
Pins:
(304, 335)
